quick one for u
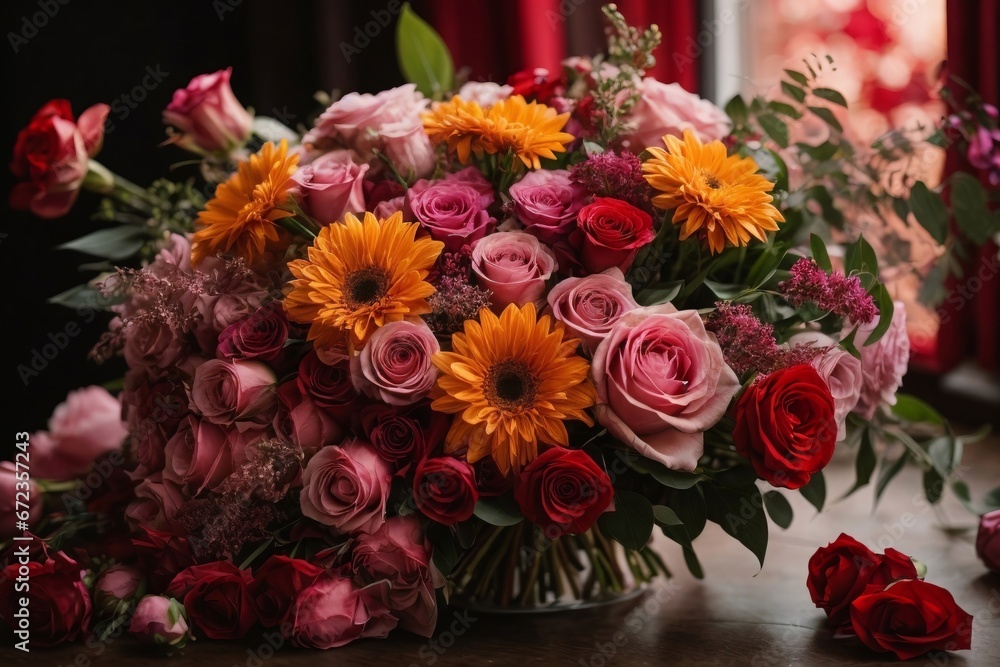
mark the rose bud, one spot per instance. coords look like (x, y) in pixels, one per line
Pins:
(160, 620)
(117, 584)
(208, 115)
(988, 540)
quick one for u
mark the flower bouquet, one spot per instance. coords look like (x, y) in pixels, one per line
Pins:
(449, 343)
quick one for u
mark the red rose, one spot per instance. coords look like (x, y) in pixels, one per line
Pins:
(217, 599)
(786, 425)
(845, 568)
(444, 489)
(536, 84)
(277, 583)
(610, 233)
(52, 155)
(58, 603)
(563, 491)
(330, 387)
(910, 618)
(261, 336)
(163, 554)
(396, 438)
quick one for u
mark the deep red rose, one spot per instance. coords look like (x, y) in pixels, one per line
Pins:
(277, 583)
(444, 489)
(329, 386)
(261, 336)
(563, 491)
(845, 569)
(610, 233)
(51, 156)
(217, 599)
(163, 554)
(396, 438)
(536, 84)
(910, 618)
(59, 606)
(786, 425)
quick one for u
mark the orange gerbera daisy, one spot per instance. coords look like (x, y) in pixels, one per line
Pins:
(719, 195)
(511, 382)
(241, 219)
(528, 130)
(361, 274)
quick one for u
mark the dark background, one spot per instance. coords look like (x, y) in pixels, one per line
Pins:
(281, 53)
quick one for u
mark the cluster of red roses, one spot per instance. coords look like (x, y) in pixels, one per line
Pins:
(883, 599)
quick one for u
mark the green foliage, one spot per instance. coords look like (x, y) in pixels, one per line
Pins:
(423, 56)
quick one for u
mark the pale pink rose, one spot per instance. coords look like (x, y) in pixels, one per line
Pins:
(547, 202)
(988, 540)
(839, 369)
(10, 477)
(661, 383)
(346, 487)
(666, 108)
(395, 365)
(453, 209)
(389, 121)
(333, 612)
(303, 423)
(883, 363)
(399, 554)
(389, 207)
(484, 93)
(234, 392)
(117, 583)
(514, 266)
(331, 186)
(156, 503)
(200, 455)
(208, 115)
(160, 620)
(87, 425)
(590, 306)
(175, 253)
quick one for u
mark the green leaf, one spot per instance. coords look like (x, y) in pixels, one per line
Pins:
(861, 258)
(778, 508)
(992, 500)
(445, 551)
(815, 491)
(785, 109)
(864, 463)
(933, 486)
(740, 513)
(766, 265)
(830, 95)
(689, 506)
(968, 200)
(961, 490)
(820, 153)
(886, 308)
(631, 523)
(820, 253)
(658, 295)
(942, 453)
(675, 479)
(793, 91)
(81, 296)
(914, 410)
(664, 516)
(724, 290)
(798, 77)
(423, 57)
(111, 243)
(929, 210)
(828, 117)
(888, 471)
(736, 109)
(691, 560)
(498, 511)
(775, 128)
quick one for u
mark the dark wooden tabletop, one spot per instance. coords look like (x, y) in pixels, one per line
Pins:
(736, 616)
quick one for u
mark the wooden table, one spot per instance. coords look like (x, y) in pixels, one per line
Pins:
(736, 616)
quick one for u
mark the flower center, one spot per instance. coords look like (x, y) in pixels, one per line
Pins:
(510, 384)
(366, 286)
(713, 182)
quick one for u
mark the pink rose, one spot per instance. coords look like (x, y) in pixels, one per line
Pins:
(52, 157)
(590, 306)
(81, 429)
(201, 455)
(666, 108)
(12, 481)
(514, 266)
(389, 121)
(399, 554)
(153, 345)
(235, 301)
(883, 363)
(988, 540)
(331, 186)
(260, 336)
(484, 93)
(208, 115)
(332, 612)
(661, 382)
(234, 392)
(303, 423)
(160, 620)
(395, 365)
(454, 209)
(389, 207)
(547, 203)
(839, 369)
(117, 583)
(156, 503)
(346, 487)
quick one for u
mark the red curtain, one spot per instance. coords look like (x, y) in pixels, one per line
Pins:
(496, 39)
(970, 318)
